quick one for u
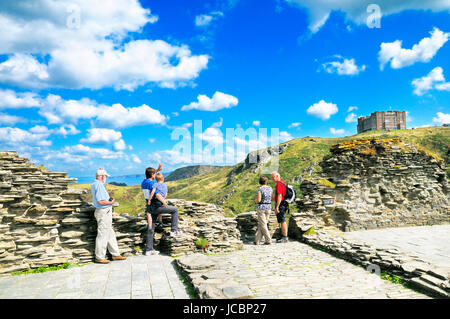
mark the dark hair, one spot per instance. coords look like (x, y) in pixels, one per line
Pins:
(149, 172)
(263, 180)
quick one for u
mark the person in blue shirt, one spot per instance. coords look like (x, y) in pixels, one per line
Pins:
(147, 186)
(106, 238)
(157, 206)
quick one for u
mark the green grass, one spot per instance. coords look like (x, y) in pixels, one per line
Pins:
(45, 269)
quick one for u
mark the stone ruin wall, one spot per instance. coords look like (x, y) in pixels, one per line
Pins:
(44, 222)
(374, 183)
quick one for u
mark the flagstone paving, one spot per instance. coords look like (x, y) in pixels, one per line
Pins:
(430, 243)
(277, 271)
(296, 270)
(139, 277)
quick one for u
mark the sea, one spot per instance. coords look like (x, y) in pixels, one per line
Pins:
(130, 180)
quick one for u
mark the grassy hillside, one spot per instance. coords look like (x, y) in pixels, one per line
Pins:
(190, 171)
(300, 160)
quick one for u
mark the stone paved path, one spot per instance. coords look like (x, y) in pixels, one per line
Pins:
(430, 243)
(291, 270)
(140, 277)
(296, 270)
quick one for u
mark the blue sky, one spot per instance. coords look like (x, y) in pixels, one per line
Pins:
(84, 86)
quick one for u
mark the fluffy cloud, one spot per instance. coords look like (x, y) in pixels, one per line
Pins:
(433, 80)
(11, 119)
(256, 123)
(337, 131)
(204, 20)
(66, 130)
(49, 39)
(322, 110)
(352, 117)
(356, 10)
(101, 136)
(343, 66)
(442, 118)
(217, 102)
(13, 136)
(118, 116)
(13, 100)
(424, 51)
(352, 108)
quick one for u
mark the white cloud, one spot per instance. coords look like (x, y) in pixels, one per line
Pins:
(295, 124)
(352, 117)
(433, 80)
(14, 100)
(120, 145)
(217, 102)
(152, 140)
(136, 159)
(256, 123)
(337, 131)
(352, 108)
(322, 110)
(47, 47)
(13, 136)
(204, 20)
(442, 118)
(66, 130)
(11, 119)
(424, 51)
(356, 10)
(117, 116)
(212, 136)
(285, 136)
(101, 136)
(343, 66)
(90, 152)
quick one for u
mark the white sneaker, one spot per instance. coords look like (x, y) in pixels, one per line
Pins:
(151, 253)
(175, 233)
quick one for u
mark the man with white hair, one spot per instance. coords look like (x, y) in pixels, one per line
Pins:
(281, 206)
(106, 238)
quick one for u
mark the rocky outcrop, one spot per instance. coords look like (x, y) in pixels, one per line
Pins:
(44, 222)
(374, 183)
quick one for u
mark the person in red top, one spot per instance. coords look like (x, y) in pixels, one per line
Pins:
(281, 206)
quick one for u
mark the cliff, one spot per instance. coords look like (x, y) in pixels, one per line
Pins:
(372, 183)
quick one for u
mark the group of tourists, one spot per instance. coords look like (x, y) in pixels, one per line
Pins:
(155, 193)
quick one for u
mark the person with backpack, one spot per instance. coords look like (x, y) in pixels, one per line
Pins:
(284, 194)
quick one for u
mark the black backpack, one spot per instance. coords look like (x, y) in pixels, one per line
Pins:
(291, 193)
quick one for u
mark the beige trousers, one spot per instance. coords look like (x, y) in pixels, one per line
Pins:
(106, 238)
(263, 231)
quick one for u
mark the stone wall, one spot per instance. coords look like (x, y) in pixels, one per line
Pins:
(44, 222)
(373, 183)
(247, 224)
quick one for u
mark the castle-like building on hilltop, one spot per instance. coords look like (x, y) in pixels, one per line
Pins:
(382, 121)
